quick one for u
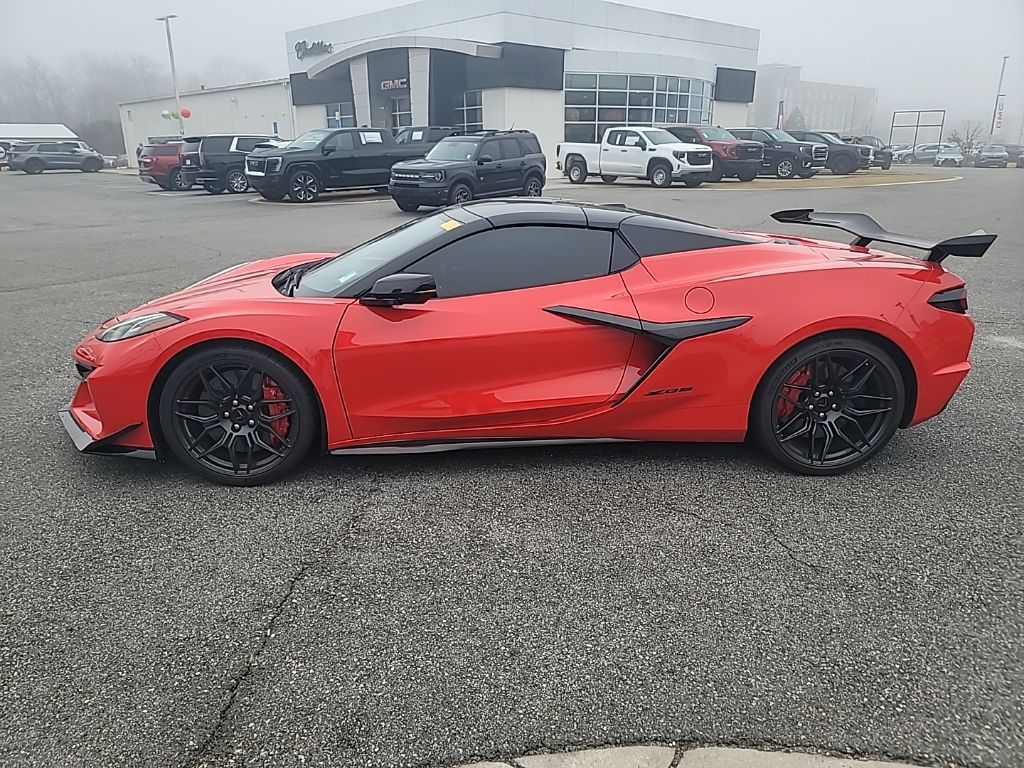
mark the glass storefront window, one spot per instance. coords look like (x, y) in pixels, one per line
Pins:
(471, 113)
(641, 83)
(644, 99)
(613, 81)
(684, 85)
(581, 97)
(341, 115)
(611, 98)
(581, 81)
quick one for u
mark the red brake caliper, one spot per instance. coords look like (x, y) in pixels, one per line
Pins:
(797, 379)
(271, 391)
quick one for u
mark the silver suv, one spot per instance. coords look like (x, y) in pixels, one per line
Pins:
(49, 156)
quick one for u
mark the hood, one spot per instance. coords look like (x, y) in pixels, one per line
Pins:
(242, 282)
(422, 164)
(723, 143)
(275, 151)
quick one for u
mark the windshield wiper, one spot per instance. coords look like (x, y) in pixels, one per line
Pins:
(289, 280)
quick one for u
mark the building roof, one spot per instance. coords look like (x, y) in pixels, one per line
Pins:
(183, 94)
(36, 131)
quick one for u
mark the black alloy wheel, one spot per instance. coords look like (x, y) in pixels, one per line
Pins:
(236, 181)
(829, 405)
(842, 166)
(533, 187)
(304, 187)
(460, 193)
(747, 174)
(237, 415)
(34, 166)
(178, 182)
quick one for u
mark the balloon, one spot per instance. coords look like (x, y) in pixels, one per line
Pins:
(166, 114)
(174, 114)
(186, 112)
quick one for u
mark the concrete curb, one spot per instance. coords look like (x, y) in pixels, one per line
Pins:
(668, 757)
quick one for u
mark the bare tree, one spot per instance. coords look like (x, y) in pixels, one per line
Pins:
(968, 137)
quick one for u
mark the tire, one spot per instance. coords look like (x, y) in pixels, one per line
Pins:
(533, 186)
(785, 168)
(303, 186)
(828, 405)
(460, 193)
(609, 179)
(275, 197)
(717, 174)
(213, 187)
(92, 165)
(886, 165)
(843, 166)
(177, 181)
(661, 175)
(908, 159)
(33, 166)
(407, 206)
(262, 438)
(164, 186)
(807, 173)
(695, 180)
(577, 172)
(747, 174)
(235, 181)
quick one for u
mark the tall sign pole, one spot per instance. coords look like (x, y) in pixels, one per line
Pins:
(999, 95)
(174, 73)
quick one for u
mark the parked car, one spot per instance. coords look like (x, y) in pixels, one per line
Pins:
(883, 152)
(1014, 151)
(464, 167)
(219, 162)
(50, 156)
(900, 147)
(843, 158)
(327, 159)
(920, 153)
(992, 156)
(785, 156)
(644, 153)
(425, 136)
(949, 155)
(160, 164)
(731, 157)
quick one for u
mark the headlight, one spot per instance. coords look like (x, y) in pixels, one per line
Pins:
(131, 327)
(439, 176)
(678, 154)
(273, 164)
(806, 150)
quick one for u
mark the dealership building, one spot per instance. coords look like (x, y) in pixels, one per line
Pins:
(564, 69)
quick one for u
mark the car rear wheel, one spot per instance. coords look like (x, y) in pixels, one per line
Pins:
(407, 206)
(533, 187)
(785, 168)
(92, 165)
(459, 193)
(33, 166)
(304, 187)
(828, 405)
(661, 175)
(577, 172)
(179, 182)
(237, 415)
(236, 181)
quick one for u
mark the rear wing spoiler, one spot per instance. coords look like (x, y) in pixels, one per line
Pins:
(869, 231)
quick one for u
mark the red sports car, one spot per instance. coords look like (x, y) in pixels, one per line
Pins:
(499, 322)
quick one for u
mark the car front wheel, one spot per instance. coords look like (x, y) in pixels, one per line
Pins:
(459, 193)
(237, 415)
(661, 175)
(533, 187)
(829, 405)
(304, 187)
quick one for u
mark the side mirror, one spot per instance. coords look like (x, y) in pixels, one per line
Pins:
(485, 159)
(327, 150)
(398, 289)
(642, 144)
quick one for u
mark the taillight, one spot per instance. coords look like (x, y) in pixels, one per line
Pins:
(952, 300)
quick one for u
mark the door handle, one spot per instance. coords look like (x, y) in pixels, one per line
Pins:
(622, 150)
(522, 163)
(606, 150)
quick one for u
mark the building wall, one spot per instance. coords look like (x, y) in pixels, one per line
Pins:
(309, 117)
(536, 110)
(252, 108)
(729, 114)
(810, 105)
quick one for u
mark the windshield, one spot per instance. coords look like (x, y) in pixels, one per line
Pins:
(310, 139)
(994, 148)
(454, 149)
(345, 270)
(778, 135)
(716, 134)
(660, 136)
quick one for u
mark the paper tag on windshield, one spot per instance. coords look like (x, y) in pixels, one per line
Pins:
(450, 224)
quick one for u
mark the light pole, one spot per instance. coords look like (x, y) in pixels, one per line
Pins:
(999, 95)
(174, 74)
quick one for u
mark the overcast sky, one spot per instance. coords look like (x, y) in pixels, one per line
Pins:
(917, 53)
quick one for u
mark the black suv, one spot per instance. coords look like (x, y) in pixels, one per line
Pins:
(327, 159)
(843, 158)
(218, 161)
(784, 156)
(466, 166)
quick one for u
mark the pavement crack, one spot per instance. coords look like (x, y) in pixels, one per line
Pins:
(199, 758)
(790, 552)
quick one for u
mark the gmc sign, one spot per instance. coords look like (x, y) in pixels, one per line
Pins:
(397, 84)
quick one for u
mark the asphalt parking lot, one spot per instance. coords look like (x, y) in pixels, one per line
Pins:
(431, 609)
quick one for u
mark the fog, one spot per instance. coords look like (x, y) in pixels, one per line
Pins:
(929, 54)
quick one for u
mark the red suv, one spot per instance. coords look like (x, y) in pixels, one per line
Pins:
(161, 164)
(731, 156)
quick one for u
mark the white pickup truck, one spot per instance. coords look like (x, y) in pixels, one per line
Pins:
(644, 153)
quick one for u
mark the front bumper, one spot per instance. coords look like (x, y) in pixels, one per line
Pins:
(422, 194)
(733, 166)
(86, 443)
(680, 170)
(271, 183)
(992, 162)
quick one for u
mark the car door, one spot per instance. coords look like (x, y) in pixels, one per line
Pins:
(340, 166)
(771, 153)
(514, 161)
(490, 168)
(52, 155)
(488, 354)
(373, 158)
(627, 158)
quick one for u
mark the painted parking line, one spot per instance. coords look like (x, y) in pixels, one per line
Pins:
(762, 185)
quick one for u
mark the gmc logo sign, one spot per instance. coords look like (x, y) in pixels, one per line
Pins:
(398, 84)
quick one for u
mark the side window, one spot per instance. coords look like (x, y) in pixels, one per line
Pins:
(47, 148)
(690, 135)
(763, 137)
(341, 142)
(632, 138)
(371, 139)
(510, 149)
(246, 143)
(491, 149)
(530, 144)
(517, 257)
(616, 138)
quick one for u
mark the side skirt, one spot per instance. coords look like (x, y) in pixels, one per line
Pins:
(416, 446)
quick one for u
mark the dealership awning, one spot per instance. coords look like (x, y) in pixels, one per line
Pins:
(467, 47)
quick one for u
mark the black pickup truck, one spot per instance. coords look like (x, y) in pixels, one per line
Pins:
(328, 159)
(843, 158)
(785, 156)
